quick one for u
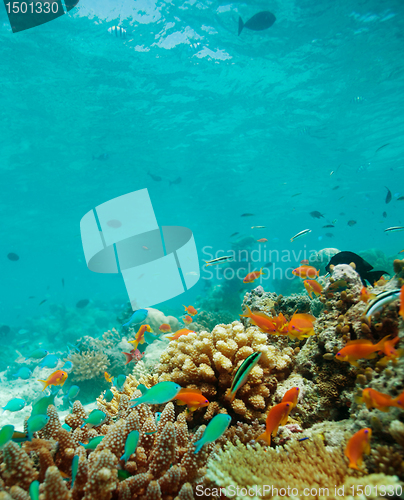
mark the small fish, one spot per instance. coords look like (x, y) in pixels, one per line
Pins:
(251, 277)
(291, 396)
(108, 395)
(296, 194)
(34, 490)
(381, 300)
(277, 415)
(130, 445)
(68, 366)
(103, 156)
(120, 381)
(305, 272)
(394, 229)
(360, 349)
(109, 378)
(145, 248)
(165, 327)
(234, 234)
(219, 260)
(58, 377)
(187, 319)
(123, 474)
(316, 215)
(258, 22)
(75, 467)
(13, 256)
(95, 419)
(23, 373)
(384, 214)
(258, 227)
(175, 181)
(41, 405)
(42, 302)
(156, 178)
(328, 225)
(191, 310)
(388, 195)
(157, 417)
(303, 439)
(81, 304)
(357, 446)
(176, 335)
(216, 428)
(378, 400)
(93, 443)
(163, 392)
(268, 265)
(260, 319)
(131, 356)
(193, 398)
(335, 188)
(299, 235)
(140, 336)
(72, 392)
(242, 373)
(49, 361)
(262, 240)
(137, 317)
(13, 405)
(301, 326)
(35, 424)
(312, 287)
(351, 223)
(6, 433)
(381, 147)
(401, 198)
(247, 215)
(365, 296)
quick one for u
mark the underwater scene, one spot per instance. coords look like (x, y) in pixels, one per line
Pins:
(201, 251)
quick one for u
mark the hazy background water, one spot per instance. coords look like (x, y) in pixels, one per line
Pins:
(246, 121)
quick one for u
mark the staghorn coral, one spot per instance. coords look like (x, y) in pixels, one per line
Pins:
(54, 486)
(18, 469)
(209, 360)
(88, 365)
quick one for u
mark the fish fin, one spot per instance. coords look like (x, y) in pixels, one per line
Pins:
(45, 384)
(230, 395)
(265, 437)
(240, 25)
(358, 400)
(373, 355)
(354, 363)
(128, 357)
(180, 402)
(198, 444)
(142, 388)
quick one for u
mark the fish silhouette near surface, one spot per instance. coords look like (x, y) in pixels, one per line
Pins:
(259, 22)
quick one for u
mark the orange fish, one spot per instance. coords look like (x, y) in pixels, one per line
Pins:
(357, 446)
(392, 354)
(133, 355)
(381, 282)
(178, 334)
(56, 378)
(291, 396)
(165, 327)
(193, 398)
(262, 240)
(306, 272)
(277, 415)
(301, 326)
(251, 277)
(304, 262)
(191, 310)
(378, 400)
(360, 349)
(401, 311)
(188, 319)
(365, 296)
(260, 319)
(281, 324)
(139, 337)
(312, 287)
(109, 378)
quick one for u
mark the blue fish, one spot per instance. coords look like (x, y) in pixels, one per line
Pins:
(35, 424)
(41, 405)
(72, 392)
(15, 404)
(50, 361)
(149, 337)
(68, 366)
(119, 382)
(23, 373)
(37, 354)
(108, 395)
(75, 466)
(137, 317)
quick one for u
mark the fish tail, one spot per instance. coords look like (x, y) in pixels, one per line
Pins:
(240, 28)
(265, 437)
(380, 344)
(230, 395)
(45, 384)
(199, 445)
(128, 357)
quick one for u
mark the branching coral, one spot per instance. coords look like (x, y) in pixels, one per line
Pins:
(88, 365)
(209, 361)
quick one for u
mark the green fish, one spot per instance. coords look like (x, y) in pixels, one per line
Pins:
(216, 428)
(19, 437)
(93, 443)
(123, 474)
(15, 404)
(242, 373)
(337, 286)
(41, 405)
(130, 445)
(163, 392)
(108, 395)
(6, 433)
(36, 424)
(95, 418)
(37, 354)
(75, 466)
(34, 490)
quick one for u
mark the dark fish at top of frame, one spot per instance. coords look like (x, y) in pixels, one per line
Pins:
(381, 147)
(388, 195)
(82, 303)
(335, 188)
(401, 198)
(351, 223)
(328, 225)
(258, 22)
(175, 181)
(234, 234)
(42, 302)
(247, 215)
(316, 215)
(363, 268)
(101, 157)
(268, 264)
(156, 178)
(296, 194)
(384, 214)
(13, 256)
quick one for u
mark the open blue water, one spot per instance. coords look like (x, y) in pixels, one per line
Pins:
(268, 123)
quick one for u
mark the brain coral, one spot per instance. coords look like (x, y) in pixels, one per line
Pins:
(209, 360)
(88, 365)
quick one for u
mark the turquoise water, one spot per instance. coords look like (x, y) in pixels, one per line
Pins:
(246, 121)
